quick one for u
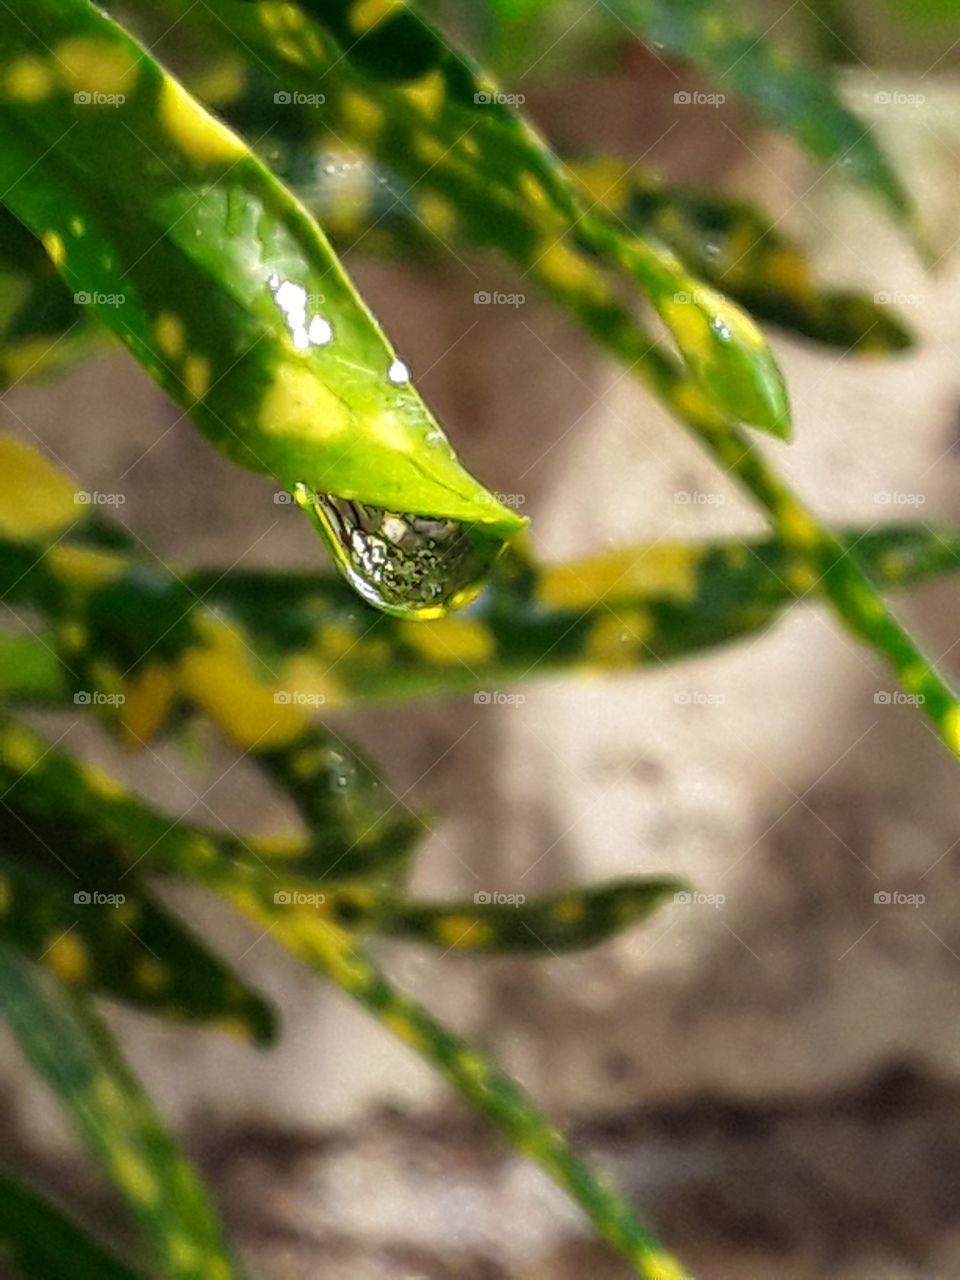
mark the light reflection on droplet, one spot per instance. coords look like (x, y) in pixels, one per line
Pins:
(398, 373)
(320, 331)
(412, 566)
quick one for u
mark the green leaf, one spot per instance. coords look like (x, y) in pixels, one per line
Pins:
(44, 1244)
(738, 54)
(67, 902)
(75, 1055)
(492, 923)
(283, 367)
(400, 92)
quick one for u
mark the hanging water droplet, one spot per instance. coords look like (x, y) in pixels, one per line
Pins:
(721, 328)
(412, 566)
(398, 373)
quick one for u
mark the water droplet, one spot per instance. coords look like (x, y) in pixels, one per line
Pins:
(712, 250)
(398, 373)
(721, 328)
(411, 566)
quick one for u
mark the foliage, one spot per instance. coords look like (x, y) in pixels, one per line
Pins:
(118, 180)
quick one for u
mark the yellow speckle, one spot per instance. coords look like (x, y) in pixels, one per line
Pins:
(73, 636)
(429, 148)
(35, 498)
(367, 14)
(97, 66)
(102, 783)
(28, 79)
(219, 675)
(691, 404)
(463, 932)
(951, 729)
(616, 639)
(83, 567)
(569, 910)
(168, 333)
(660, 1266)
(474, 1068)
(603, 181)
(20, 358)
(337, 640)
(151, 975)
(21, 750)
(786, 269)
(77, 226)
(802, 577)
(438, 213)
(797, 527)
(233, 1026)
(280, 848)
(534, 191)
(196, 376)
(428, 93)
(297, 400)
(149, 696)
(450, 640)
(185, 1256)
(664, 569)
(364, 116)
(54, 247)
(5, 895)
(564, 269)
(403, 1027)
(68, 957)
(134, 1176)
(200, 136)
(223, 83)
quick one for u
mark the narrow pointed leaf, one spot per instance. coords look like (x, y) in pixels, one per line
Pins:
(74, 1054)
(305, 391)
(44, 1244)
(401, 93)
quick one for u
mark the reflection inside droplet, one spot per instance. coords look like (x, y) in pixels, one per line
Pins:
(409, 565)
(721, 328)
(398, 373)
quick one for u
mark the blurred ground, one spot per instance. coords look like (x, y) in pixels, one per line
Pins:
(774, 1079)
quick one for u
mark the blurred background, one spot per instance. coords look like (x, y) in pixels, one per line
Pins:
(772, 1071)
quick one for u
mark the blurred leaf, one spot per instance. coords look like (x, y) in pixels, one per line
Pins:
(43, 1244)
(74, 1054)
(727, 44)
(736, 247)
(562, 922)
(401, 93)
(283, 368)
(41, 326)
(162, 640)
(67, 900)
